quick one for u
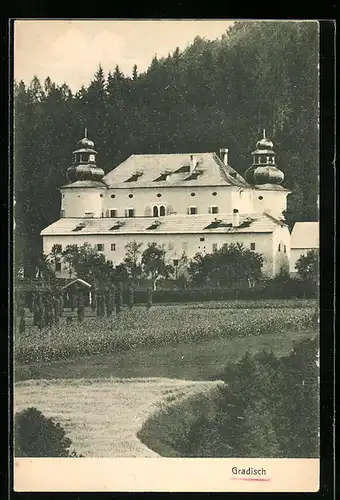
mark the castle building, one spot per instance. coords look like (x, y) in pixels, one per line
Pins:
(189, 203)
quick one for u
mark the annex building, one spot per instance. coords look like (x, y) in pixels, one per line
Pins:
(188, 202)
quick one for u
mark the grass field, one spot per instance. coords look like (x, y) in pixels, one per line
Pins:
(161, 325)
(103, 378)
(102, 417)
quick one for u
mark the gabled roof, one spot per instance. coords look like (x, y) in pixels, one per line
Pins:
(78, 281)
(212, 171)
(172, 224)
(305, 235)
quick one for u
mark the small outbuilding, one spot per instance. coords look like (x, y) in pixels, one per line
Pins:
(304, 237)
(75, 286)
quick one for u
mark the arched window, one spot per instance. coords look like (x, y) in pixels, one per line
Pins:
(162, 211)
(155, 211)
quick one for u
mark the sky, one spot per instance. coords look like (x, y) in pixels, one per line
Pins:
(71, 51)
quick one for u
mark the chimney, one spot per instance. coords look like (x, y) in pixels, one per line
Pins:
(193, 162)
(224, 155)
(236, 218)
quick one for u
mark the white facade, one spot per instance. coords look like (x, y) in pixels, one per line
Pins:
(304, 237)
(198, 202)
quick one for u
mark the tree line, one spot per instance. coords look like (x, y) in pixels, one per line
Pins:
(213, 94)
(230, 264)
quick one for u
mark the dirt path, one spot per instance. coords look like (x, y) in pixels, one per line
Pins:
(102, 416)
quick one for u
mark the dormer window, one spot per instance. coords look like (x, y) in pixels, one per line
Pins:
(164, 176)
(134, 177)
(79, 227)
(154, 225)
(117, 225)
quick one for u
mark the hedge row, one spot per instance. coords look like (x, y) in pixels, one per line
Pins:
(289, 290)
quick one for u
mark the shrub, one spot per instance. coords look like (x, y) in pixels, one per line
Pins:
(268, 407)
(38, 436)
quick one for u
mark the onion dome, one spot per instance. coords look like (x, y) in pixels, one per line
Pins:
(84, 166)
(85, 143)
(264, 143)
(264, 169)
(268, 175)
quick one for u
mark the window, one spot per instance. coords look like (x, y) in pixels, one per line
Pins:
(214, 247)
(214, 193)
(193, 194)
(285, 249)
(58, 247)
(130, 212)
(58, 266)
(99, 247)
(101, 195)
(184, 245)
(214, 210)
(113, 212)
(130, 195)
(113, 247)
(155, 211)
(159, 195)
(175, 262)
(202, 239)
(162, 211)
(279, 247)
(252, 246)
(192, 210)
(89, 214)
(113, 195)
(260, 197)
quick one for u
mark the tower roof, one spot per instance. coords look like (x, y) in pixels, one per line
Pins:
(84, 166)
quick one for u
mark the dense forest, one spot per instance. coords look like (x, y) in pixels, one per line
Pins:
(214, 94)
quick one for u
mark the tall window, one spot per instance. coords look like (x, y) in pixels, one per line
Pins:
(214, 247)
(155, 211)
(130, 212)
(100, 247)
(113, 213)
(162, 211)
(113, 247)
(252, 246)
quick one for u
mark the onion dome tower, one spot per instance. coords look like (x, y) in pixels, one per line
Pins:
(84, 166)
(264, 169)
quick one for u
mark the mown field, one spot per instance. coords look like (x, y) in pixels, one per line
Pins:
(104, 421)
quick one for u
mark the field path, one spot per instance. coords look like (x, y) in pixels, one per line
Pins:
(102, 416)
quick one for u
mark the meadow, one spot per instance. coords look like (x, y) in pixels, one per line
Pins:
(129, 366)
(155, 342)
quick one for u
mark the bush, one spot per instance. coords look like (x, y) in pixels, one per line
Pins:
(38, 436)
(272, 289)
(268, 407)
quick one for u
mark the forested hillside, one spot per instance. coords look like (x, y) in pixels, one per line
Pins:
(214, 94)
